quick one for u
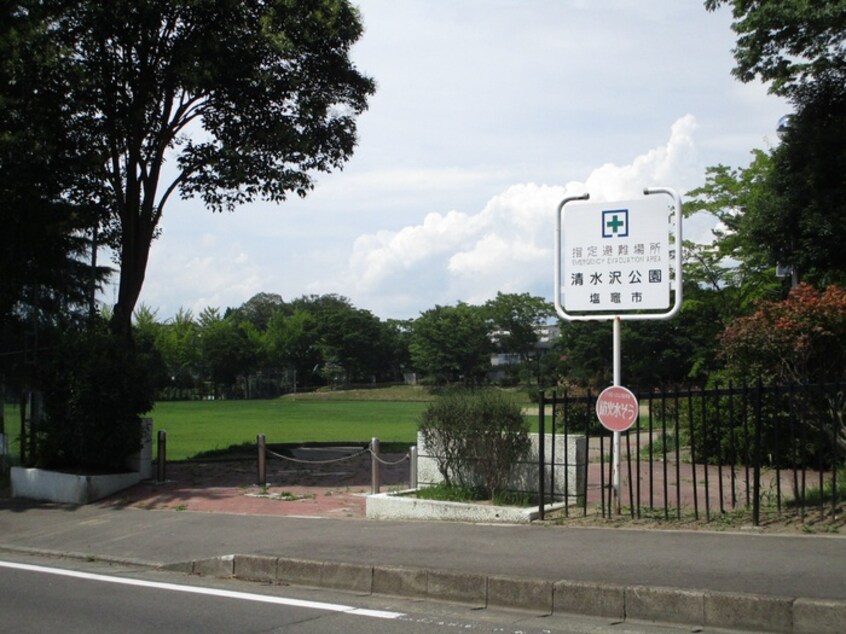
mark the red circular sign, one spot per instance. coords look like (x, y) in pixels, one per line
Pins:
(617, 408)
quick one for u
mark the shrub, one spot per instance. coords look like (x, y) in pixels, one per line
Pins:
(96, 388)
(478, 436)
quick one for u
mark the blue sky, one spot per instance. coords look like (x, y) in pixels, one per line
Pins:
(487, 113)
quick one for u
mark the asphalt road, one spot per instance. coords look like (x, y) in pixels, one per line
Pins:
(43, 595)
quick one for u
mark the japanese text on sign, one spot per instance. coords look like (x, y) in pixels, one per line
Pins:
(616, 256)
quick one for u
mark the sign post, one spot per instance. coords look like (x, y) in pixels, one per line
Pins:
(618, 261)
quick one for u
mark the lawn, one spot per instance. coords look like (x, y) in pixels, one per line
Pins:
(197, 426)
(194, 427)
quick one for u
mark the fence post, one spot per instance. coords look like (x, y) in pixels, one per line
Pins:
(375, 473)
(161, 457)
(541, 457)
(262, 460)
(412, 454)
(756, 483)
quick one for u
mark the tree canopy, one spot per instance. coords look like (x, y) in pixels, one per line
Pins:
(227, 101)
(787, 42)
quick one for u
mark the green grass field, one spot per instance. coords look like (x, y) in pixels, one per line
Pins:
(195, 427)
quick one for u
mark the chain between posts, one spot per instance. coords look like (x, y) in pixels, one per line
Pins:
(372, 449)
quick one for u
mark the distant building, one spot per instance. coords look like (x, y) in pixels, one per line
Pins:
(502, 361)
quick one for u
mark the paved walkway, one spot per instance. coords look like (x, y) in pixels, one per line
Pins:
(770, 582)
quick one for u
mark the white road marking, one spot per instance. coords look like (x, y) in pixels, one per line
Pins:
(229, 594)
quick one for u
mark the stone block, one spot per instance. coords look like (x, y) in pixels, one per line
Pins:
(819, 616)
(352, 577)
(255, 568)
(533, 595)
(216, 567)
(458, 587)
(590, 599)
(748, 611)
(669, 605)
(299, 572)
(403, 582)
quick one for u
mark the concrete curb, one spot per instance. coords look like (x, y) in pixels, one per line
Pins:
(642, 603)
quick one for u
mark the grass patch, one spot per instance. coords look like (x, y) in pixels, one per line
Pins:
(394, 393)
(219, 428)
(456, 493)
(200, 427)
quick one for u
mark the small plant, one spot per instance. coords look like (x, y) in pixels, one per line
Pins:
(444, 492)
(477, 436)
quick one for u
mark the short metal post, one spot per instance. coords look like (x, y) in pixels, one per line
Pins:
(412, 453)
(375, 471)
(262, 460)
(161, 457)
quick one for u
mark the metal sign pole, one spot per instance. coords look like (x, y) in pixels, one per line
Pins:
(589, 268)
(616, 450)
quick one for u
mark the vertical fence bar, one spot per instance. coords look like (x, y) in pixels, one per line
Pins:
(821, 460)
(552, 451)
(706, 454)
(678, 458)
(651, 463)
(747, 461)
(692, 452)
(602, 470)
(794, 449)
(732, 446)
(629, 463)
(161, 456)
(587, 452)
(756, 485)
(567, 456)
(719, 435)
(835, 427)
(805, 456)
(261, 445)
(637, 456)
(375, 467)
(541, 456)
(613, 502)
(412, 459)
(776, 455)
(664, 452)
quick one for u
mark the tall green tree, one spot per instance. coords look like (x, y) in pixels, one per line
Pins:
(800, 48)
(178, 343)
(291, 342)
(452, 344)
(787, 42)
(43, 243)
(736, 269)
(803, 221)
(242, 100)
(517, 319)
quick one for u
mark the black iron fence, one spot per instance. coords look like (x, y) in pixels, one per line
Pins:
(762, 450)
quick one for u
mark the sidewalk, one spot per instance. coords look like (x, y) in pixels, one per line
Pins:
(732, 580)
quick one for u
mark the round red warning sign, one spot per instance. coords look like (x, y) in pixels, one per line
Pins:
(617, 408)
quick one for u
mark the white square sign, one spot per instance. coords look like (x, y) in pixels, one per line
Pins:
(616, 256)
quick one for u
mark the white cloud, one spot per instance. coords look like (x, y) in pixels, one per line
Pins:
(208, 271)
(507, 246)
(487, 112)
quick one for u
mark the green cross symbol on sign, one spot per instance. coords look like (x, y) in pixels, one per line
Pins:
(614, 224)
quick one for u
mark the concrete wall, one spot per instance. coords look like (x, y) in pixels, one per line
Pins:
(70, 488)
(67, 488)
(569, 465)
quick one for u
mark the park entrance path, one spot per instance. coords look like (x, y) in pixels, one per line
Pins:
(318, 482)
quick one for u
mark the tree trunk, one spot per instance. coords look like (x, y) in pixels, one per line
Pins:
(136, 239)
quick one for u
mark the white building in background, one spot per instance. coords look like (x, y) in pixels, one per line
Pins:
(548, 334)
